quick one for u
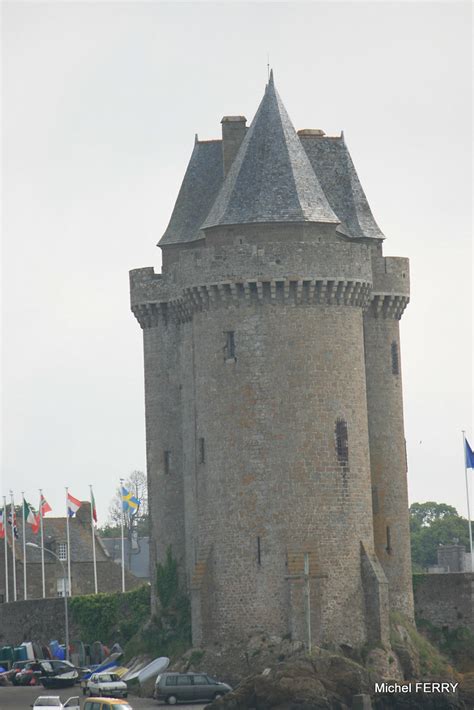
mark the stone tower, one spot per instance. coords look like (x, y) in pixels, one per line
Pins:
(274, 413)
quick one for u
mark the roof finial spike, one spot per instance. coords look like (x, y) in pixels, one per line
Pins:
(270, 78)
(196, 138)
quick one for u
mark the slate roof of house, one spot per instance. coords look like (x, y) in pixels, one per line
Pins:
(139, 558)
(277, 176)
(54, 533)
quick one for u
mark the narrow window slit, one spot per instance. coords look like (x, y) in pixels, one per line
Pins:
(202, 450)
(395, 359)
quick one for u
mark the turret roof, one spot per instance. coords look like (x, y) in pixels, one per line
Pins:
(202, 181)
(271, 178)
(277, 175)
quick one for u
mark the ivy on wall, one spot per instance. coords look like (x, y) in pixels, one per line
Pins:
(110, 618)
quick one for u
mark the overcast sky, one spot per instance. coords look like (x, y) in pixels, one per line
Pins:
(101, 102)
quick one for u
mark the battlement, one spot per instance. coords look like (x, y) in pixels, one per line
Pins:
(304, 273)
(391, 274)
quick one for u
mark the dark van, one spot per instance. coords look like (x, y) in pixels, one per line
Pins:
(188, 687)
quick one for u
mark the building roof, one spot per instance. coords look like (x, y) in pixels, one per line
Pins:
(202, 181)
(137, 556)
(54, 533)
(277, 176)
(271, 178)
(337, 175)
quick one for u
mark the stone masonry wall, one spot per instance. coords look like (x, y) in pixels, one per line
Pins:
(271, 487)
(163, 434)
(33, 620)
(445, 599)
(387, 436)
(256, 483)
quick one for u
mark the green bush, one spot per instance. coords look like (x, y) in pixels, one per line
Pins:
(110, 618)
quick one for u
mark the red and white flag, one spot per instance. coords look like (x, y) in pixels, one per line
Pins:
(44, 506)
(73, 505)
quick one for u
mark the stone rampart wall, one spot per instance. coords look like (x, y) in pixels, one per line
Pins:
(445, 599)
(34, 620)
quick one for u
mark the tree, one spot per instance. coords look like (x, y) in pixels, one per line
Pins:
(134, 522)
(422, 514)
(434, 524)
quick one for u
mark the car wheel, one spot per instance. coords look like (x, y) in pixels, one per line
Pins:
(218, 695)
(172, 700)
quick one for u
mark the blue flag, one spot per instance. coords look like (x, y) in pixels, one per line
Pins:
(469, 454)
(129, 502)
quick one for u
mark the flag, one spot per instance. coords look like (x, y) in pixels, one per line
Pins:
(2, 523)
(44, 506)
(129, 502)
(31, 516)
(73, 505)
(12, 522)
(469, 454)
(93, 508)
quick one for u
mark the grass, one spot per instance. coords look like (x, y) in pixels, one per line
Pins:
(432, 661)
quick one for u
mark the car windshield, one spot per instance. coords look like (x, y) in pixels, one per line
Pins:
(108, 678)
(54, 702)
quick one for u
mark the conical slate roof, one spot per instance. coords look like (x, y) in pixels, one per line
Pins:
(271, 178)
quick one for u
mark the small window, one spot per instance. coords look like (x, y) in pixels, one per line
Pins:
(171, 680)
(395, 359)
(184, 680)
(375, 500)
(167, 461)
(202, 450)
(62, 551)
(259, 552)
(342, 444)
(389, 541)
(229, 349)
(61, 585)
(200, 680)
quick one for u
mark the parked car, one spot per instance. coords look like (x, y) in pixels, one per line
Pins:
(108, 684)
(53, 702)
(106, 704)
(188, 687)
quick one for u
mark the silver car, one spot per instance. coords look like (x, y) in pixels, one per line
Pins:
(188, 687)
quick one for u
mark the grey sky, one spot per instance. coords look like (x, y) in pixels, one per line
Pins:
(100, 105)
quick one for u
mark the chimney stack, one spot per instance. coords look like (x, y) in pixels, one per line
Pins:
(234, 129)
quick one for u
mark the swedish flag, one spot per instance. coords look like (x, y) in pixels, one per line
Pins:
(129, 502)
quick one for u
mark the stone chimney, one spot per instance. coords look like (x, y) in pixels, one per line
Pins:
(234, 129)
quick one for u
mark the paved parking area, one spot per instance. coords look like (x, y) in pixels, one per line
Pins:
(13, 698)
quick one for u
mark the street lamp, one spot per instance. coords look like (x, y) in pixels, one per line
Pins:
(66, 619)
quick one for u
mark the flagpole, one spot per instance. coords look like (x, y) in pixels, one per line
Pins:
(123, 539)
(93, 540)
(12, 513)
(5, 526)
(42, 543)
(68, 545)
(25, 595)
(467, 497)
